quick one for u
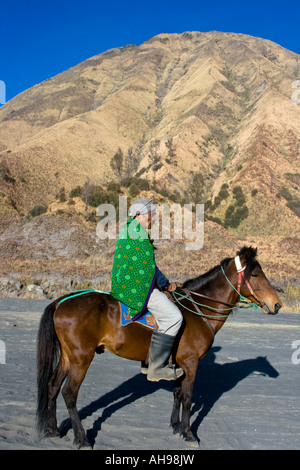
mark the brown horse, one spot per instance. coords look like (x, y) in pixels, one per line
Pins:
(72, 331)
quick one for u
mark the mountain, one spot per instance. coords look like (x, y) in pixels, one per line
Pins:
(203, 117)
(213, 105)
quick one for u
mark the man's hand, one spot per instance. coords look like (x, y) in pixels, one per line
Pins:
(171, 287)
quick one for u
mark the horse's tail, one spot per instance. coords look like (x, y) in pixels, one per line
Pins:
(48, 351)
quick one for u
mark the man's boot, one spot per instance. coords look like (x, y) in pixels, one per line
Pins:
(160, 350)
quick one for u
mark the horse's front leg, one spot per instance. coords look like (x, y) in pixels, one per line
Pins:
(185, 427)
(175, 416)
(187, 387)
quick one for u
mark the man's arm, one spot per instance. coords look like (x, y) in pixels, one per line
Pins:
(163, 282)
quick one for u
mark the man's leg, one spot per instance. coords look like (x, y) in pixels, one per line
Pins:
(168, 318)
(167, 315)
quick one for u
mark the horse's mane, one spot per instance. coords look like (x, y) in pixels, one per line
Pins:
(201, 281)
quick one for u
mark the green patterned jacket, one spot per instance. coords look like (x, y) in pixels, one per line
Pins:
(134, 268)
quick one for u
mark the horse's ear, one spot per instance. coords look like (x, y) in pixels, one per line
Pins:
(247, 253)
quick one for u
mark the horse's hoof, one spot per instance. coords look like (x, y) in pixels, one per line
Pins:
(85, 446)
(194, 443)
(191, 440)
(53, 435)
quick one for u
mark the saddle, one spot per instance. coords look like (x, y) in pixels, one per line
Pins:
(147, 319)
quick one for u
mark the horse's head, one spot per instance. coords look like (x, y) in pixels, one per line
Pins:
(254, 284)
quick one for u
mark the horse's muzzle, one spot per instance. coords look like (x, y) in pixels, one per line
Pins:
(277, 307)
(271, 311)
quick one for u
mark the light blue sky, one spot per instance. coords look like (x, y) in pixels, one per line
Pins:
(41, 38)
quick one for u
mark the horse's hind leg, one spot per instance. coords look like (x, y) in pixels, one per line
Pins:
(70, 392)
(54, 386)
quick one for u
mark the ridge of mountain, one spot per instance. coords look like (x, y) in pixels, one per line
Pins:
(198, 111)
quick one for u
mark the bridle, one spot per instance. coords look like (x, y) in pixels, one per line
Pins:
(243, 300)
(242, 277)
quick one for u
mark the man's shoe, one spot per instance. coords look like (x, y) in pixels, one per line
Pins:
(160, 350)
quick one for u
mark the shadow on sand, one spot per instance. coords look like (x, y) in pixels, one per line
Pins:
(212, 380)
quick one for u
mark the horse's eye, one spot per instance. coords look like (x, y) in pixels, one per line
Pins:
(254, 275)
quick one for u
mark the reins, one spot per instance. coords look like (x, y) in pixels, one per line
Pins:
(242, 300)
(209, 298)
(197, 304)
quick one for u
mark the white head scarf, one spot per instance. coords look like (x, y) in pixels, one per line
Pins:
(141, 206)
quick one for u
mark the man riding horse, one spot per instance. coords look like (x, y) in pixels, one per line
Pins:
(139, 284)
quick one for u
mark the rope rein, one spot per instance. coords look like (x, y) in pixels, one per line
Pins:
(201, 314)
(246, 303)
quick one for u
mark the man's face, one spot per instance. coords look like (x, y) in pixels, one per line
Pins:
(147, 220)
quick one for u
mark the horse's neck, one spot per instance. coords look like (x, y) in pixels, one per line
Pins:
(224, 293)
